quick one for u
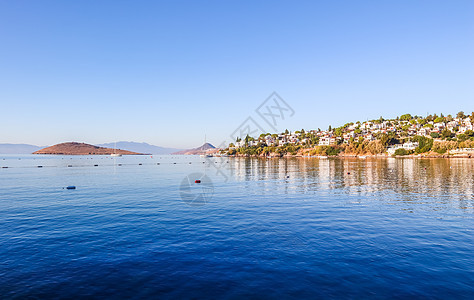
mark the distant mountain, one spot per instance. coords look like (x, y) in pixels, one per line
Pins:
(18, 148)
(140, 147)
(74, 148)
(206, 148)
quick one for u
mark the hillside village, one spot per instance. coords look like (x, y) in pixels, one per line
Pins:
(404, 135)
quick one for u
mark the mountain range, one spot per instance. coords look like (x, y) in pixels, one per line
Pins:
(18, 148)
(140, 147)
(129, 146)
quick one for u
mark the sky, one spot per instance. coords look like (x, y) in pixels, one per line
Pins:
(174, 73)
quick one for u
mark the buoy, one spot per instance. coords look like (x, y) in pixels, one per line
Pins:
(348, 173)
(197, 181)
(71, 187)
(40, 166)
(96, 165)
(69, 166)
(157, 163)
(119, 165)
(287, 176)
(140, 164)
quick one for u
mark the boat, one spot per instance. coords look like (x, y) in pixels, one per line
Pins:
(363, 156)
(115, 150)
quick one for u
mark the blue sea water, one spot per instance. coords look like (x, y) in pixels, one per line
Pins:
(139, 227)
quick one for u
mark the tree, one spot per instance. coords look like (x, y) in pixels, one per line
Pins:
(424, 144)
(434, 135)
(330, 128)
(469, 133)
(462, 137)
(460, 115)
(439, 120)
(286, 131)
(384, 138)
(446, 133)
(405, 117)
(402, 151)
(247, 139)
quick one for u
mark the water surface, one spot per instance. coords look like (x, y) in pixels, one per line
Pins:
(258, 228)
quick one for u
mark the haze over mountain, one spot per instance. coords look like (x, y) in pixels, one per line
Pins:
(205, 148)
(140, 147)
(18, 148)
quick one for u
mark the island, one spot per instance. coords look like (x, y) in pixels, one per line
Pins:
(74, 148)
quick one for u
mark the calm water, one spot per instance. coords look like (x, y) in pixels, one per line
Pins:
(288, 228)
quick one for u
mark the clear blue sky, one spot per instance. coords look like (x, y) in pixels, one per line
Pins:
(169, 72)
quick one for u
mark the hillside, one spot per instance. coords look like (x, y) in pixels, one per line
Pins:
(74, 148)
(140, 147)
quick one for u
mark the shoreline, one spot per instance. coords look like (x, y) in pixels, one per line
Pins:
(369, 156)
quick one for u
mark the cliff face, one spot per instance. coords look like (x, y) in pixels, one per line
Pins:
(74, 148)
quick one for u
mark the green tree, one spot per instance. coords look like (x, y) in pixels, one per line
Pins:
(462, 137)
(469, 133)
(405, 117)
(424, 144)
(461, 115)
(446, 133)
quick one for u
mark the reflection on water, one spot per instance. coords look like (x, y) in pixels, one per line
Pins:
(274, 228)
(451, 181)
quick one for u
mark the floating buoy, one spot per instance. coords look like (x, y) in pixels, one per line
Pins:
(119, 165)
(348, 173)
(96, 165)
(197, 181)
(157, 163)
(287, 176)
(140, 164)
(69, 166)
(40, 166)
(71, 187)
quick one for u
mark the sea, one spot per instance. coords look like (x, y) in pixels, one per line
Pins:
(191, 227)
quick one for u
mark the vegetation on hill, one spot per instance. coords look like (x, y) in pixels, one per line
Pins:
(430, 134)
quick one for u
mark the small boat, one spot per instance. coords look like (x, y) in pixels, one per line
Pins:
(115, 149)
(363, 157)
(322, 156)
